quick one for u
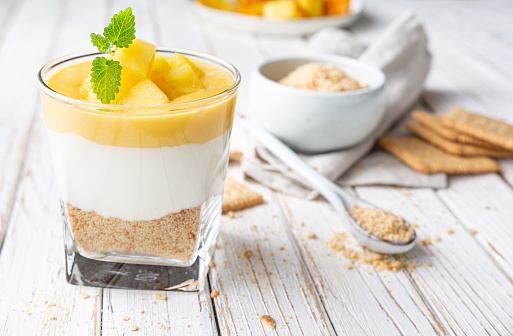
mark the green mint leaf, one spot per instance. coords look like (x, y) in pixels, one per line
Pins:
(100, 42)
(106, 77)
(121, 29)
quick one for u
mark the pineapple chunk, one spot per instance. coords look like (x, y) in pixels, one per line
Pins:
(144, 93)
(179, 59)
(219, 4)
(281, 9)
(159, 68)
(251, 8)
(337, 7)
(311, 7)
(86, 92)
(180, 81)
(136, 61)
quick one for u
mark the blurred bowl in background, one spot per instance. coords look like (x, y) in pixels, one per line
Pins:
(313, 121)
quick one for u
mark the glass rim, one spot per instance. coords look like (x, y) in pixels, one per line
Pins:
(99, 108)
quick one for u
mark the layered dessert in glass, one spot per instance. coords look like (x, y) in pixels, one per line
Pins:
(140, 178)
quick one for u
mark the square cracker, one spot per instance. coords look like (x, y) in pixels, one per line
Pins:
(487, 129)
(434, 122)
(237, 196)
(234, 155)
(454, 147)
(425, 158)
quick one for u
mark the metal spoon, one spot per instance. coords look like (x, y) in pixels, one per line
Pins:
(336, 196)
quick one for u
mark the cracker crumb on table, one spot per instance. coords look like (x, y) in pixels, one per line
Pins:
(83, 296)
(125, 318)
(132, 327)
(247, 253)
(311, 235)
(380, 262)
(214, 293)
(160, 296)
(268, 320)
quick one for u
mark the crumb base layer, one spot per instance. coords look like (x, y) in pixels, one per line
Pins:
(173, 236)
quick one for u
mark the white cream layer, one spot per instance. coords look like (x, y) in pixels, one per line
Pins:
(137, 183)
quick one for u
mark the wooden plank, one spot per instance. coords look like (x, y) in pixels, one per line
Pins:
(35, 298)
(359, 301)
(18, 91)
(272, 281)
(464, 286)
(177, 314)
(7, 12)
(483, 203)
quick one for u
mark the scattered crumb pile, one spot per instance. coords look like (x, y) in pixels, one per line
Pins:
(268, 320)
(380, 262)
(382, 224)
(320, 77)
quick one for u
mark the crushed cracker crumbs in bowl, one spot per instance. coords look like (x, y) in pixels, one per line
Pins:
(320, 77)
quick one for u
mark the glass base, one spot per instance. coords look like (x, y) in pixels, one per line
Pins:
(142, 273)
(96, 273)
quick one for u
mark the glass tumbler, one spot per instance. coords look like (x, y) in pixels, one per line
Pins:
(140, 187)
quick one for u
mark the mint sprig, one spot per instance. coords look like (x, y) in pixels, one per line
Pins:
(121, 30)
(106, 78)
(106, 74)
(101, 42)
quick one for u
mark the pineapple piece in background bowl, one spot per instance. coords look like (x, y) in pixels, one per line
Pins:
(281, 10)
(255, 7)
(336, 7)
(218, 4)
(311, 7)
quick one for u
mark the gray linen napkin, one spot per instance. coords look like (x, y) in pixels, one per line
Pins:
(401, 53)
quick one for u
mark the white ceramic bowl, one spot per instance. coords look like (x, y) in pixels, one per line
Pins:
(313, 121)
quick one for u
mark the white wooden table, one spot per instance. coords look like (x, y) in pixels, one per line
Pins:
(468, 290)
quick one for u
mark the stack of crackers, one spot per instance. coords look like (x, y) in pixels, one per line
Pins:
(459, 142)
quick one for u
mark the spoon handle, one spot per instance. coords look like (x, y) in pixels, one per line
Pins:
(338, 197)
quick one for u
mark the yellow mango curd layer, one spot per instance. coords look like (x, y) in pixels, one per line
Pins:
(141, 127)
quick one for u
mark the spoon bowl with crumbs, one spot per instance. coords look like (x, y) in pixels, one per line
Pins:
(377, 229)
